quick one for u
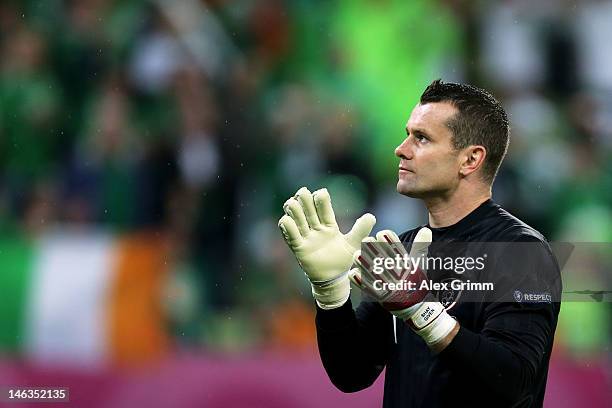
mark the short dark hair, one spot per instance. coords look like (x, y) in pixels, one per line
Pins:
(480, 120)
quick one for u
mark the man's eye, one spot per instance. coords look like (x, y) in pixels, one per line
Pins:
(420, 138)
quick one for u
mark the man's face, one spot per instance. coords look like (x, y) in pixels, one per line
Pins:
(429, 165)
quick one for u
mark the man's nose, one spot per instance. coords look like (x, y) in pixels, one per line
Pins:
(404, 151)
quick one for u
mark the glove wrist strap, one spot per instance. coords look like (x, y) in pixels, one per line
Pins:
(333, 294)
(437, 330)
(432, 322)
(329, 282)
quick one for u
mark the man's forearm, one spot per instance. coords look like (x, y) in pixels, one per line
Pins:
(438, 347)
(353, 344)
(494, 364)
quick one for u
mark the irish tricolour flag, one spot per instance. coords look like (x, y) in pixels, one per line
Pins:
(83, 297)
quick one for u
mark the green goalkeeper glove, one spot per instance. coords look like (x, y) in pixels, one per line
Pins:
(324, 253)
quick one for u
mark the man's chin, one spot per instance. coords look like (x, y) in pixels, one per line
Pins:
(408, 191)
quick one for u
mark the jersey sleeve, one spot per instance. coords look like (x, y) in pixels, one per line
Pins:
(510, 349)
(354, 344)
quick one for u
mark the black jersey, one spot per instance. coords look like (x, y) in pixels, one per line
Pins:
(500, 354)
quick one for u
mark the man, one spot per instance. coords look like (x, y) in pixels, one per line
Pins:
(484, 352)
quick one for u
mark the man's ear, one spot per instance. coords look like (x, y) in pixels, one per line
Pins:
(473, 158)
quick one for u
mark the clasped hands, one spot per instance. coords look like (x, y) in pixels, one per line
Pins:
(331, 260)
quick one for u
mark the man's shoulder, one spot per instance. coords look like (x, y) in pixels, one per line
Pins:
(496, 225)
(512, 229)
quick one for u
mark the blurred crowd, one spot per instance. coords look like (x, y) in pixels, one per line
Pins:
(197, 119)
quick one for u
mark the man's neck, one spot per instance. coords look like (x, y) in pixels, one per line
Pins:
(448, 211)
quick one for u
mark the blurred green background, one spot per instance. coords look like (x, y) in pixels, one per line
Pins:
(147, 147)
